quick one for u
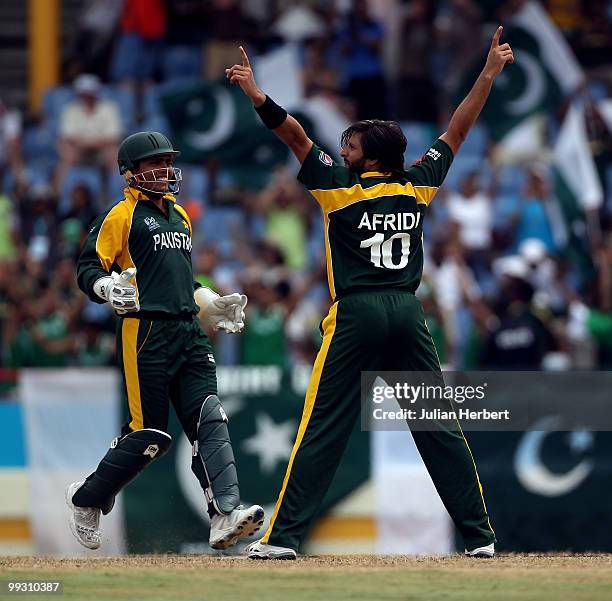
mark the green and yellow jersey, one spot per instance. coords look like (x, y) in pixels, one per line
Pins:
(136, 233)
(374, 221)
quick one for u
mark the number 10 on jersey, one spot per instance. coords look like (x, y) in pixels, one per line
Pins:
(381, 250)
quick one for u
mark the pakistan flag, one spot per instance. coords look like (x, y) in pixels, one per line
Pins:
(544, 72)
(544, 76)
(217, 121)
(164, 507)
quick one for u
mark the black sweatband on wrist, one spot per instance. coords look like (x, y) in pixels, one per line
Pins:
(271, 114)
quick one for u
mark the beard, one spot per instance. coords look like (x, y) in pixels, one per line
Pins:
(355, 166)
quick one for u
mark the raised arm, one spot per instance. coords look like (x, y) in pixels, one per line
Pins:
(282, 124)
(467, 112)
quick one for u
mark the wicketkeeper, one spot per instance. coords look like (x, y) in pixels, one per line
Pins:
(137, 257)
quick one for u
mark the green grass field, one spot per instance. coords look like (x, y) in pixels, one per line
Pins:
(329, 578)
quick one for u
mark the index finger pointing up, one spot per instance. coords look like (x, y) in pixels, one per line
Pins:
(245, 58)
(496, 36)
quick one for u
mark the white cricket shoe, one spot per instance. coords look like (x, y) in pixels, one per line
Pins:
(259, 550)
(84, 521)
(227, 530)
(488, 551)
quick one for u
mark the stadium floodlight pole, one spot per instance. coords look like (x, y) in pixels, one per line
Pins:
(373, 209)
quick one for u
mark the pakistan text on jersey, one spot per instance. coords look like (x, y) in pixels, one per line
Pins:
(172, 240)
(391, 221)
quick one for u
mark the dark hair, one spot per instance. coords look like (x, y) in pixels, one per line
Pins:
(382, 141)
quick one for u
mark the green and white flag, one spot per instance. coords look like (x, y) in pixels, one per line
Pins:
(580, 186)
(577, 189)
(264, 405)
(217, 121)
(544, 72)
(544, 75)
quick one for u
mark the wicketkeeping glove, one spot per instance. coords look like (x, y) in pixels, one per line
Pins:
(118, 291)
(221, 312)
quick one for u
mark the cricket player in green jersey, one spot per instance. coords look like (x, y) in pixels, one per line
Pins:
(137, 257)
(373, 211)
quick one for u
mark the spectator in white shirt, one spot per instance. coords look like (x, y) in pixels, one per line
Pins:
(471, 209)
(90, 129)
(455, 290)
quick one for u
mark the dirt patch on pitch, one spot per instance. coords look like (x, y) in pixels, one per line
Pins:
(190, 562)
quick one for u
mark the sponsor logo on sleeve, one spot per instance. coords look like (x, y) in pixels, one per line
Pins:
(325, 159)
(434, 154)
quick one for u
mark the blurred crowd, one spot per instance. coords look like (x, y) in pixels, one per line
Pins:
(508, 283)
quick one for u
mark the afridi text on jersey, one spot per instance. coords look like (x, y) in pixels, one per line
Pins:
(374, 221)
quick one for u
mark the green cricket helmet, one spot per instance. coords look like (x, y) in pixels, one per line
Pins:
(144, 145)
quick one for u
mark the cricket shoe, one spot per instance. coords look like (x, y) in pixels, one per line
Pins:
(259, 550)
(227, 530)
(488, 551)
(84, 521)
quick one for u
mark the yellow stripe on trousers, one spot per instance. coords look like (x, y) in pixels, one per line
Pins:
(329, 327)
(484, 505)
(129, 338)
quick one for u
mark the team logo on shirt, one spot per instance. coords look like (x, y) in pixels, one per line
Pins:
(151, 223)
(325, 159)
(185, 225)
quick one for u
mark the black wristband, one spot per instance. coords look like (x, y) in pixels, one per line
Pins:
(271, 114)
